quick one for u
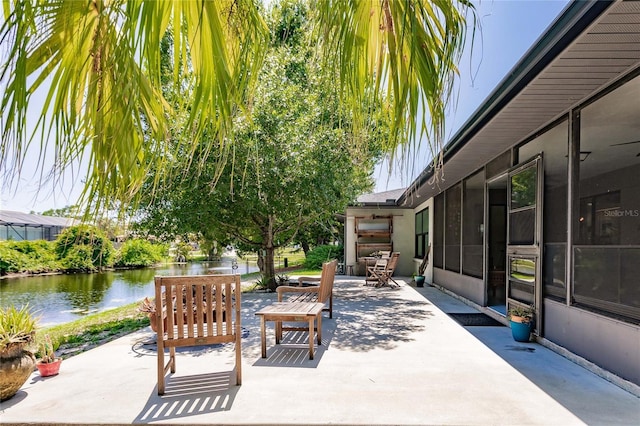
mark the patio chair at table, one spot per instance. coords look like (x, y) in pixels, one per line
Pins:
(321, 292)
(372, 275)
(381, 274)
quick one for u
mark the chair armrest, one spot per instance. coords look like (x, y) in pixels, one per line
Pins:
(292, 289)
(302, 280)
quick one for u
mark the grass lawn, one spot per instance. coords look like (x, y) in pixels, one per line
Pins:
(85, 333)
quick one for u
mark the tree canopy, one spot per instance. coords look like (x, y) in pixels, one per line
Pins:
(293, 161)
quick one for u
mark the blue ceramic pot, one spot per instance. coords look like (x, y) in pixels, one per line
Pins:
(419, 281)
(521, 331)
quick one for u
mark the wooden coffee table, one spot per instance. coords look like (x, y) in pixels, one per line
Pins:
(295, 311)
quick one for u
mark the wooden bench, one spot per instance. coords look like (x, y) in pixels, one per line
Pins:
(295, 311)
(196, 310)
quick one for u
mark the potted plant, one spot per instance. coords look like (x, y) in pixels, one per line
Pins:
(520, 319)
(48, 364)
(283, 279)
(148, 307)
(419, 280)
(17, 333)
(419, 277)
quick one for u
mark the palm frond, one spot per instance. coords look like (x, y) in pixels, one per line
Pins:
(408, 49)
(98, 63)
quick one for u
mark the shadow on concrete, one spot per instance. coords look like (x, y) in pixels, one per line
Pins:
(293, 350)
(14, 400)
(376, 318)
(187, 396)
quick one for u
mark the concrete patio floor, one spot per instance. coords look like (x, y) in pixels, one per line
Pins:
(388, 357)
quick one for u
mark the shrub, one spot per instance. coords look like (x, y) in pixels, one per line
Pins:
(319, 255)
(11, 260)
(84, 247)
(137, 252)
(27, 256)
(79, 258)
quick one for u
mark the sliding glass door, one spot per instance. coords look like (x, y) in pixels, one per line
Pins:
(524, 236)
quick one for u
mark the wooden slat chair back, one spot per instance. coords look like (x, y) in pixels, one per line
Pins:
(322, 293)
(196, 310)
(373, 272)
(384, 276)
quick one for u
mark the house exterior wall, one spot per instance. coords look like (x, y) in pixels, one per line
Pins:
(578, 237)
(604, 341)
(595, 312)
(402, 236)
(29, 232)
(18, 226)
(463, 285)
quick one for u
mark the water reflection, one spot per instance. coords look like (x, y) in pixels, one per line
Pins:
(62, 298)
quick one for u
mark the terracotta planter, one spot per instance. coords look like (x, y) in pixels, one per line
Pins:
(152, 321)
(47, 369)
(523, 320)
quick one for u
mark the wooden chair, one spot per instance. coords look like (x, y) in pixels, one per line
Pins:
(196, 310)
(382, 274)
(321, 293)
(373, 272)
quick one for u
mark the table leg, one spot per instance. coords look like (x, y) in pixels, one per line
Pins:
(278, 332)
(311, 324)
(319, 324)
(263, 336)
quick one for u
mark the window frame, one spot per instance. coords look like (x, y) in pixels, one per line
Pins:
(420, 249)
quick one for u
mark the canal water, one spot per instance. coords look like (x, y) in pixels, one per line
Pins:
(58, 299)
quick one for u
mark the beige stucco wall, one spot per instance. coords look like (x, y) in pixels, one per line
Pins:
(403, 236)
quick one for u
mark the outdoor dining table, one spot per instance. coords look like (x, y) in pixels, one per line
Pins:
(297, 311)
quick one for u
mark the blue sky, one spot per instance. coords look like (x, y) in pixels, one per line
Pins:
(508, 29)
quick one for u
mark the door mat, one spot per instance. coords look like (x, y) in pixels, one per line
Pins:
(476, 320)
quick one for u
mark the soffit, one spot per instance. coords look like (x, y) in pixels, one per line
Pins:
(609, 48)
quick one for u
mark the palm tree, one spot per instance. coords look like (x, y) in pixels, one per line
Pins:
(99, 63)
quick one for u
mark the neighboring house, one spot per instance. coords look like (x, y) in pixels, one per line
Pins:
(19, 226)
(541, 201)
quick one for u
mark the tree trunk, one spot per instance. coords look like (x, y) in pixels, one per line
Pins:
(269, 272)
(269, 268)
(305, 247)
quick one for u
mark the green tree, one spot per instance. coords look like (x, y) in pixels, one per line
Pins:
(66, 211)
(99, 64)
(320, 233)
(292, 163)
(137, 252)
(84, 248)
